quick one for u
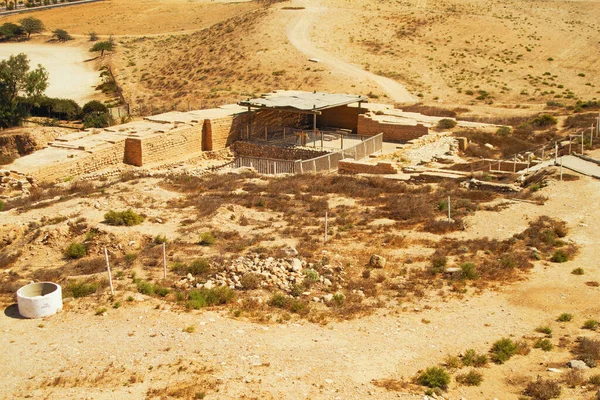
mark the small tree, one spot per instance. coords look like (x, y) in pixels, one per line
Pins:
(93, 36)
(10, 31)
(102, 47)
(61, 35)
(32, 25)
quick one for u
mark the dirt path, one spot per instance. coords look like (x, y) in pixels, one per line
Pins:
(299, 35)
(70, 77)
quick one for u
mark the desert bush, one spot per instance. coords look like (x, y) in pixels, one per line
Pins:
(594, 380)
(160, 239)
(339, 299)
(578, 271)
(564, 317)
(446, 123)
(543, 344)
(130, 258)
(80, 289)
(471, 378)
(207, 239)
(452, 362)
(587, 349)
(7, 259)
(542, 121)
(75, 251)
(590, 324)
(472, 359)
(438, 262)
(434, 377)
(251, 281)
(468, 271)
(61, 35)
(198, 267)
(310, 276)
(151, 289)
(503, 350)
(210, 297)
(291, 304)
(542, 389)
(559, 256)
(120, 218)
(91, 266)
(544, 329)
(573, 378)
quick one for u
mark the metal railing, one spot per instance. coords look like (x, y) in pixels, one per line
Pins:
(266, 165)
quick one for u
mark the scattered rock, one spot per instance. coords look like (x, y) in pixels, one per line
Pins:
(577, 364)
(377, 261)
(555, 370)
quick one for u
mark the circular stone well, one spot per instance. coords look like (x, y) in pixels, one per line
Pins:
(39, 299)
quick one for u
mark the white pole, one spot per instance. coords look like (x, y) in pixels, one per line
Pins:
(164, 261)
(325, 235)
(449, 218)
(112, 289)
(561, 169)
(555, 152)
(582, 132)
(591, 136)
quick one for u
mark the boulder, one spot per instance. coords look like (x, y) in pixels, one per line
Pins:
(377, 261)
(577, 364)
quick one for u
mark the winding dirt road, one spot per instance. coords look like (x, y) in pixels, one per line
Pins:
(298, 34)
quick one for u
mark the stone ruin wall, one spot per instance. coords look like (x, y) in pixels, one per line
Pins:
(367, 126)
(274, 152)
(349, 166)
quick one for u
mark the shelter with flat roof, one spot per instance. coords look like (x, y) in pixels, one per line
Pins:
(327, 109)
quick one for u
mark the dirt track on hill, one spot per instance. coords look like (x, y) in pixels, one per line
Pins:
(299, 35)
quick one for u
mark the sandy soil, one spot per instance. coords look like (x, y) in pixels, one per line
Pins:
(142, 345)
(140, 17)
(71, 74)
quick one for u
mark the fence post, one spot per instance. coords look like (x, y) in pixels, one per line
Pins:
(555, 152)
(582, 132)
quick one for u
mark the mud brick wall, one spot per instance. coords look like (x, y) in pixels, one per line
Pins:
(133, 152)
(391, 132)
(108, 155)
(171, 145)
(349, 166)
(222, 131)
(278, 153)
(340, 117)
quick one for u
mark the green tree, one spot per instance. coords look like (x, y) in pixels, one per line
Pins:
(61, 35)
(10, 31)
(16, 79)
(102, 47)
(32, 25)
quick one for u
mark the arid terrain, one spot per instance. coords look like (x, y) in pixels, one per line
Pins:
(255, 304)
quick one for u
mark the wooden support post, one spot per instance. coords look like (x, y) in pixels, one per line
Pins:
(164, 246)
(325, 235)
(321, 140)
(570, 144)
(555, 152)
(542, 154)
(591, 136)
(342, 138)
(561, 169)
(112, 289)
(582, 132)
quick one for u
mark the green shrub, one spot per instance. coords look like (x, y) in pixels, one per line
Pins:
(251, 280)
(594, 380)
(434, 377)
(503, 350)
(438, 262)
(504, 131)
(564, 317)
(75, 251)
(291, 304)
(339, 299)
(578, 271)
(590, 324)
(471, 378)
(80, 289)
(468, 271)
(160, 239)
(544, 344)
(1, 205)
(198, 267)
(101, 311)
(542, 121)
(544, 329)
(210, 297)
(207, 239)
(130, 258)
(472, 359)
(559, 256)
(446, 123)
(311, 276)
(452, 362)
(151, 289)
(120, 218)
